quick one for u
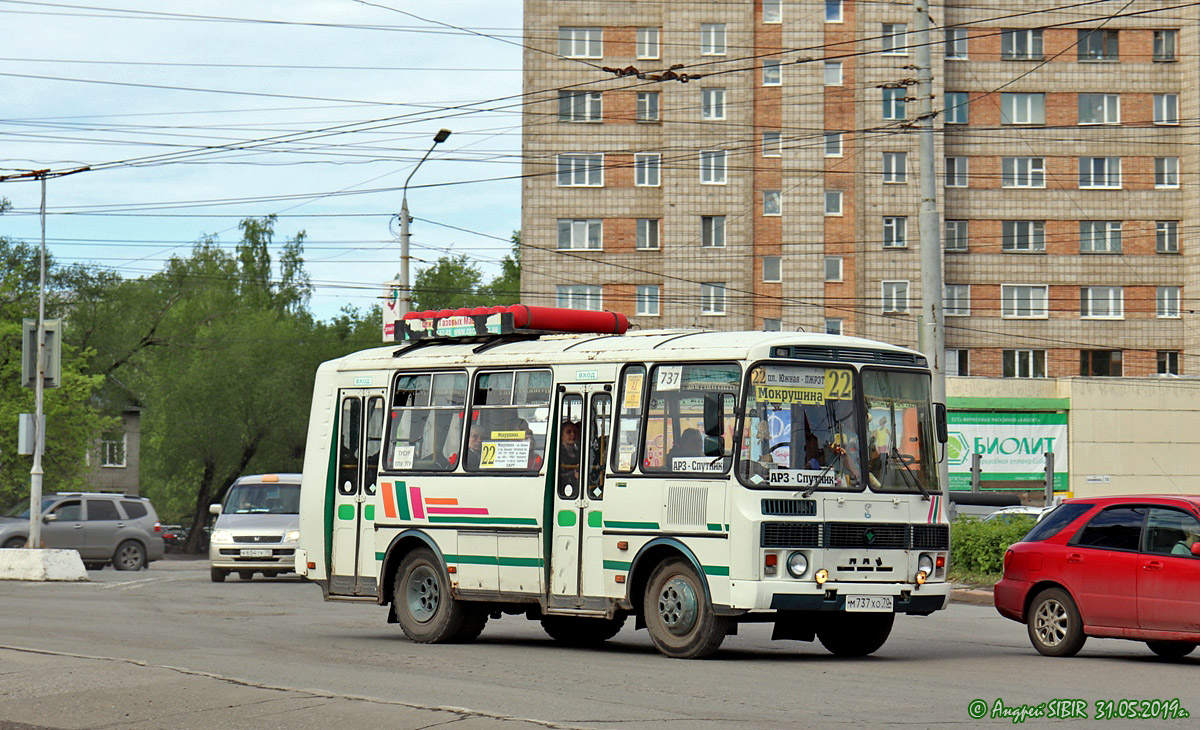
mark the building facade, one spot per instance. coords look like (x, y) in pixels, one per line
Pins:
(754, 165)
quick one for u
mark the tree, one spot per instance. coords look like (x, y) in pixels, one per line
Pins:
(506, 287)
(452, 282)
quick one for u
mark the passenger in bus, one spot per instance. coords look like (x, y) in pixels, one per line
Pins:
(535, 459)
(689, 444)
(812, 452)
(474, 447)
(569, 454)
(876, 464)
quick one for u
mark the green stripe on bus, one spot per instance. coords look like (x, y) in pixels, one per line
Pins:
(345, 512)
(369, 512)
(566, 518)
(616, 565)
(485, 520)
(380, 556)
(716, 570)
(493, 560)
(714, 527)
(633, 525)
(595, 519)
(399, 489)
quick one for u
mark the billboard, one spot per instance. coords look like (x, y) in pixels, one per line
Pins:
(1012, 446)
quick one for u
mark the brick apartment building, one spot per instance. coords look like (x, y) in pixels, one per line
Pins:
(779, 189)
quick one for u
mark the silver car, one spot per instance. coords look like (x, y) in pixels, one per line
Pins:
(104, 528)
(257, 527)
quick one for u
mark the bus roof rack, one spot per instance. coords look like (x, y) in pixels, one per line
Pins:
(482, 324)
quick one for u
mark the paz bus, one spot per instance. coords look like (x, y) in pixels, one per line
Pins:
(543, 462)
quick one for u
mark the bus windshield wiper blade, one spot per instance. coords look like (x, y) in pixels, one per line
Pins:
(916, 482)
(837, 454)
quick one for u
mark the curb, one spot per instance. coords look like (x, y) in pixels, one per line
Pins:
(973, 596)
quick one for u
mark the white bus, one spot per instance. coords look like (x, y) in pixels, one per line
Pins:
(693, 480)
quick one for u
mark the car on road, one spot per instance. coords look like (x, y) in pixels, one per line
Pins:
(1125, 567)
(104, 528)
(1005, 513)
(257, 527)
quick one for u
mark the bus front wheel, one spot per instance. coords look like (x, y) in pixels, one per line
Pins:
(859, 634)
(425, 610)
(678, 614)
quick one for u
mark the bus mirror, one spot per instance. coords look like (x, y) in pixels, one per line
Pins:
(713, 416)
(939, 414)
(714, 446)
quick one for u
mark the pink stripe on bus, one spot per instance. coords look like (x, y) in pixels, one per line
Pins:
(458, 510)
(418, 507)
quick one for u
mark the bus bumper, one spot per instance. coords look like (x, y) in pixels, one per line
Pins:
(907, 598)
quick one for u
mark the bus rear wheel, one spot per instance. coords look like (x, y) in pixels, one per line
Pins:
(855, 635)
(425, 610)
(575, 631)
(678, 614)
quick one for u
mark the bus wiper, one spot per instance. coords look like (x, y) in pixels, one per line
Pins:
(838, 452)
(916, 482)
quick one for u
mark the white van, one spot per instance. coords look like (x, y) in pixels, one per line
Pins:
(257, 528)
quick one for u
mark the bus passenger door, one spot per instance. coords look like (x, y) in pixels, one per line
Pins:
(360, 437)
(576, 559)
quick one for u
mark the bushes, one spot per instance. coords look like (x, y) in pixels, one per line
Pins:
(977, 547)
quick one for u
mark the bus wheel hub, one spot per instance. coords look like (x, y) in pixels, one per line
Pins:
(677, 606)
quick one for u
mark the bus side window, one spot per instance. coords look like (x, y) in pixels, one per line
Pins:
(629, 419)
(601, 417)
(426, 422)
(348, 456)
(509, 420)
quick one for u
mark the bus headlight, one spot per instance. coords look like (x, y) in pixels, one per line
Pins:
(821, 576)
(222, 536)
(925, 564)
(797, 565)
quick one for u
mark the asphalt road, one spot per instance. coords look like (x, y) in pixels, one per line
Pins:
(166, 648)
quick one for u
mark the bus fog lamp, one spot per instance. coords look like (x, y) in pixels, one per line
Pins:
(821, 576)
(797, 565)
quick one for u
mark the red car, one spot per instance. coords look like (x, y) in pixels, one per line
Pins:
(1114, 567)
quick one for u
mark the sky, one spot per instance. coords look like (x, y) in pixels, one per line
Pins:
(194, 115)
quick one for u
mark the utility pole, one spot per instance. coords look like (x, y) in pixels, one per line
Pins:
(405, 303)
(932, 290)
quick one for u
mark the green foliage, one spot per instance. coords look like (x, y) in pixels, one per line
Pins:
(977, 547)
(453, 282)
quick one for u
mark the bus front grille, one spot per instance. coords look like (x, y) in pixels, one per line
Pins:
(791, 534)
(790, 507)
(866, 535)
(931, 537)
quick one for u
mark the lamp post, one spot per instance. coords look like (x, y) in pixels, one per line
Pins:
(405, 303)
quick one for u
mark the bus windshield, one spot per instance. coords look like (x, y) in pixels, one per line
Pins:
(901, 446)
(801, 429)
(263, 499)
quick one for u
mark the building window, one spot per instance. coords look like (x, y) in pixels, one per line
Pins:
(1022, 108)
(1098, 45)
(772, 269)
(1021, 44)
(772, 11)
(647, 300)
(895, 40)
(712, 167)
(1167, 301)
(1023, 236)
(1168, 362)
(580, 42)
(1164, 45)
(1166, 237)
(712, 103)
(772, 324)
(581, 171)
(712, 39)
(772, 202)
(833, 144)
(712, 298)
(580, 234)
(957, 363)
(1023, 172)
(957, 107)
(895, 297)
(1101, 302)
(1100, 236)
(956, 43)
(772, 144)
(893, 103)
(1166, 172)
(1166, 108)
(1021, 301)
(833, 202)
(833, 73)
(647, 43)
(1099, 109)
(833, 326)
(956, 171)
(1024, 364)
(895, 232)
(579, 106)
(579, 296)
(894, 167)
(957, 302)
(647, 234)
(1100, 172)
(956, 235)
(833, 268)
(833, 11)
(1100, 363)
(112, 449)
(646, 170)
(712, 231)
(772, 71)
(647, 106)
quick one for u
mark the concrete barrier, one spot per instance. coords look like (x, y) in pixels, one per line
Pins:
(41, 565)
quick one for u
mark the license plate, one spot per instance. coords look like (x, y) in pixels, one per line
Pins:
(871, 604)
(260, 553)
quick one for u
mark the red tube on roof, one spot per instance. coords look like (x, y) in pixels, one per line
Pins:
(568, 320)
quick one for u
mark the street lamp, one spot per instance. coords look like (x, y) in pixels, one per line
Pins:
(405, 303)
